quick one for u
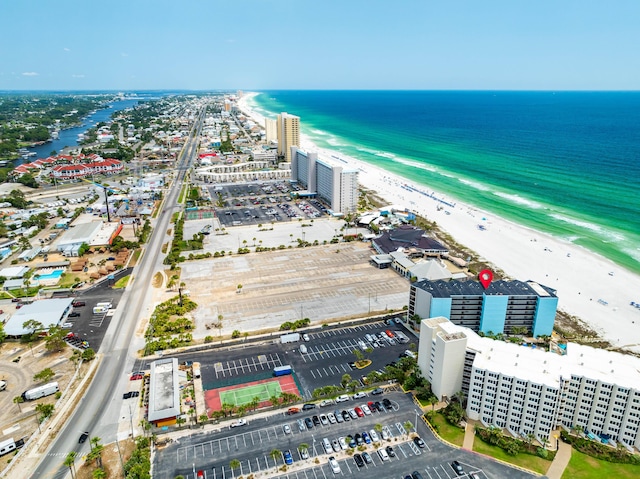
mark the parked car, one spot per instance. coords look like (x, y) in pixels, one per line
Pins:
(335, 467)
(383, 454)
(338, 414)
(358, 459)
(305, 337)
(304, 453)
(416, 475)
(458, 468)
(374, 435)
(239, 422)
(387, 403)
(332, 418)
(346, 416)
(78, 304)
(301, 425)
(359, 411)
(316, 420)
(367, 457)
(324, 420)
(136, 377)
(359, 395)
(335, 445)
(308, 407)
(74, 314)
(286, 428)
(287, 457)
(390, 451)
(343, 442)
(308, 422)
(366, 410)
(293, 410)
(419, 442)
(377, 391)
(366, 438)
(326, 402)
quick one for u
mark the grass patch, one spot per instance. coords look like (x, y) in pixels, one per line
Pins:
(582, 466)
(183, 193)
(446, 430)
(122, 282)
(533, 463)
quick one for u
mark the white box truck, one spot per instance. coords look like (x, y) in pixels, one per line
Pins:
(290, 338)
(41, 391)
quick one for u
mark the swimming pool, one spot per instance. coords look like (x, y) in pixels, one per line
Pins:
(55, 274)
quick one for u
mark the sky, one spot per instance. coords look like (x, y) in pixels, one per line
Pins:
(328, 44)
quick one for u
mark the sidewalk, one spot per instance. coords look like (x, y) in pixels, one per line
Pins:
(560, 462)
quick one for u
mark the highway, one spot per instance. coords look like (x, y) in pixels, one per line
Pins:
(100, 411)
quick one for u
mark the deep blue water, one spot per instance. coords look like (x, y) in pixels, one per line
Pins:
(567, 163)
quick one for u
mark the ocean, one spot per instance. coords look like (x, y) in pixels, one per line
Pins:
(565, 163)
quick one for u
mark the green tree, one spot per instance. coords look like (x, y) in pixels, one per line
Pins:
(99, 473)
(33, 326)
(346, 379)
(70, 462)
(275, 454)
(88, 354)
(18, 400)
(96, 451)
(234, 464)
(44, 375)
(44, 411)
(55, 339)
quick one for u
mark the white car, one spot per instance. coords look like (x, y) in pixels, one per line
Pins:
(332, 418)
(304, 453)
(287, 429)
(326, 402)
(366, 410)
(359, 395)
(374, 435)
(385, 434)
(335, 467)
(239, 422)
(343, 443)
(305, 337)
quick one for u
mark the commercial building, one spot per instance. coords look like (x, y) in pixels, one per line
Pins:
(529, 392)
(288, 134)
(164, 392)
(75, 237)
(48, 312)
(502, 306)
(332, 183)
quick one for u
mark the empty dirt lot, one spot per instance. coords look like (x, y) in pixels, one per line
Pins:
(321, 283)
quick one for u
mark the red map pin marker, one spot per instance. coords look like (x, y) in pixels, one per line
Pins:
(485, 277)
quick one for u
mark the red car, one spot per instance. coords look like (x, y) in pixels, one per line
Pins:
(359, 412)
(136, 377)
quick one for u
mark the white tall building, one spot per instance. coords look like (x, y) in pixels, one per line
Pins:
(530, 391)
(271, 130)
(288, 127)
(335, 185)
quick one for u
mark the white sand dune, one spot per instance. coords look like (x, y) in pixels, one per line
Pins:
(588, 286)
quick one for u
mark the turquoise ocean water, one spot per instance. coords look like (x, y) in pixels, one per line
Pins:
(566, 163)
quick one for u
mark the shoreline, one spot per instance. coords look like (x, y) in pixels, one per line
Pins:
(589, 286)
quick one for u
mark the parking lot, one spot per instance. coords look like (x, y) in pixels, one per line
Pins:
(320, 283)
(259, 447)
(260, 203)
(91, 327)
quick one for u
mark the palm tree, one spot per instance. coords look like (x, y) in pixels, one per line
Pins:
(18, 400)
(275, 454)
(433, 401)
(408, 426)
(234, 464)
(70, 462)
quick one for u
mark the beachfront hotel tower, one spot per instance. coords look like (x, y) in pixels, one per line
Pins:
(271, 130)
(502, 306)
(526, 391)
(329, 181)
(288, 128)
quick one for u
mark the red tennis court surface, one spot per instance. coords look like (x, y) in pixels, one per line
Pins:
(212, 397)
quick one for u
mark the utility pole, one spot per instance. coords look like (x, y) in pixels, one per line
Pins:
(106, 200)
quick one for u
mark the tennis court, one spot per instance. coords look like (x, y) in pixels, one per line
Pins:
(242, 396)
(239, 395)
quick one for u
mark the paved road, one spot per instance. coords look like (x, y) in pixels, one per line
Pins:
(100, 410)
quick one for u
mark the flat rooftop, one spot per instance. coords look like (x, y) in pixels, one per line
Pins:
(447, 289)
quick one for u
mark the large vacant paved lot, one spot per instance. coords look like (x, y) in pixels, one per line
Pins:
(319, 283)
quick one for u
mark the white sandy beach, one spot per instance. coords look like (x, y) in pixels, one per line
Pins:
(588, 286)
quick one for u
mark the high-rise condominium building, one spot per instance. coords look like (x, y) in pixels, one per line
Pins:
(500, 308)
(529, 391)
(335, 185)
(271, 130)
(288, 134)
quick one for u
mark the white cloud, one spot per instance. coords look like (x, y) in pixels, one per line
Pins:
(67, 49)
(77, 76)
(30, 74)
